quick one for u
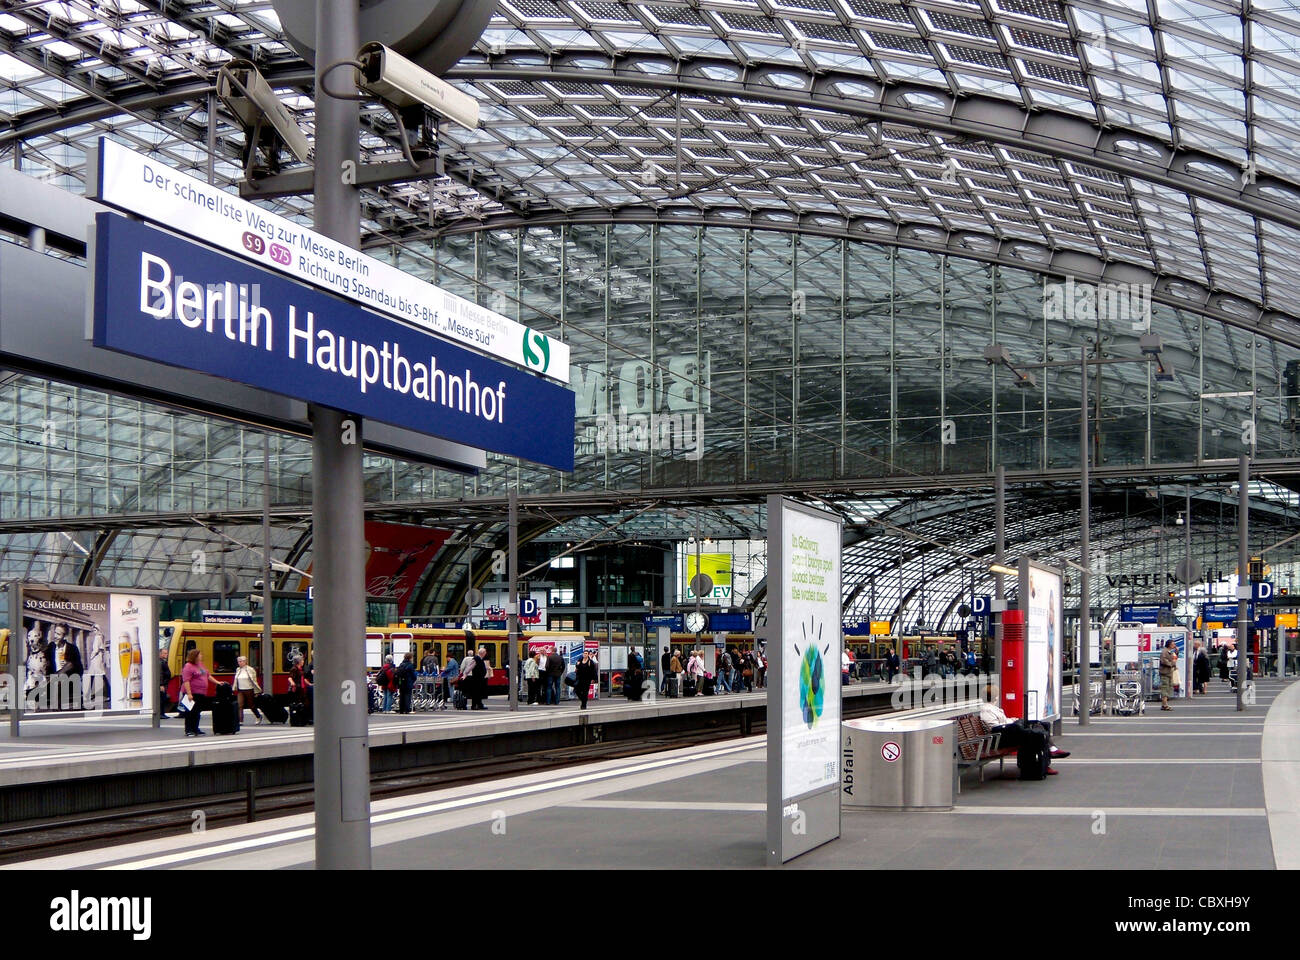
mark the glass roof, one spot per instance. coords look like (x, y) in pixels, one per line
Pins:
(841, 111)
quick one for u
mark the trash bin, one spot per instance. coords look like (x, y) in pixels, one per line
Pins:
(897, 764)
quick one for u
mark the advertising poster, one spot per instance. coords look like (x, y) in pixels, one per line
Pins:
(1040, 590)
(86, 651)
(396, 555)
(717, 566)
(570, 650)
(810, 638)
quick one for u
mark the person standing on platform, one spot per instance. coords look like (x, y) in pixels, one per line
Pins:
(892, 664)
(1168, 664)
(748, 667)
(164, 681)
(554, 671)
(695, 667)
(1223, 663)
(478, 679)
(1200, 668)
(760, 665)
(532, 676)
(724, 672)
(405, 677)
(665, 665)
(197, 685)
(246, 689)
(450, 676)
(383, 680)
(298, 678)
(634, 678)
(430, 662)
(584, 675)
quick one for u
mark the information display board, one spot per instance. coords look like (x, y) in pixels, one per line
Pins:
(1040, 599)
(803, 748)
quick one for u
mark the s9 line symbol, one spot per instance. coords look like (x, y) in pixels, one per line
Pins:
(253, 243)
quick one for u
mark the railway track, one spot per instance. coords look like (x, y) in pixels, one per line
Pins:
(39, 838)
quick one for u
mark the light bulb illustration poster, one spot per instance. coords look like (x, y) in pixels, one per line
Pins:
(811, 647)
(1043, 643)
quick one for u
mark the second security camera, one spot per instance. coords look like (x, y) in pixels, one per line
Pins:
(246, 93)
(391, 77)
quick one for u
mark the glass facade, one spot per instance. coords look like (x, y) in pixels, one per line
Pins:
(720, 356)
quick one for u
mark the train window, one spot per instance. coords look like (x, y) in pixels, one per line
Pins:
(287, 651)
(224, 654)
(491, 653)
(456, 650)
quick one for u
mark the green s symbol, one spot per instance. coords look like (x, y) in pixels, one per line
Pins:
(531, 357)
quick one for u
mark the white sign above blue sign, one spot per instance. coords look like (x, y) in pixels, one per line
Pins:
(129, 181)
(163, 298)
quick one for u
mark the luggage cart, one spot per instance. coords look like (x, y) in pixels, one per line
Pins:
(1097, 697)
(427, 693)
(1130, 699)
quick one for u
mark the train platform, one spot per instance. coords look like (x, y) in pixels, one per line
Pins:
(59, 749)
(1203, 787)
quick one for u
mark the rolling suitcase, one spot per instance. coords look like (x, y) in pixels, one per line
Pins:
(708, 687)
(1032, 757)
(273, 711)
(459, 701)
(299, 715)
(672, 686)
(225, 716)
(688, 687)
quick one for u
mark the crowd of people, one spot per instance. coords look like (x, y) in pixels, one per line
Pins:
(688, 676)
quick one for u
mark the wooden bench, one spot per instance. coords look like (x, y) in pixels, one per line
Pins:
(978, 746)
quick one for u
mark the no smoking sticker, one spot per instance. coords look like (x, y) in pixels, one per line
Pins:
(890, 750)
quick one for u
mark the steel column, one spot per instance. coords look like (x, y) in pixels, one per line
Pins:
(341, 757)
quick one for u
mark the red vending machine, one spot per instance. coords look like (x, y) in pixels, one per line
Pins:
(1012, 667)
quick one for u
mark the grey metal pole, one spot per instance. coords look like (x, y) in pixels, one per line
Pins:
(16, 642)
(267, 666)
(512, 611)
(342, 756)
(1187, 582)
(999, 557)
(1243, 574)
(1085, 558)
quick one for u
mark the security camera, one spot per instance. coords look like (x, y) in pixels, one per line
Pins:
(1150, 344)
(267, 122)
(997, 353)
(396, 80)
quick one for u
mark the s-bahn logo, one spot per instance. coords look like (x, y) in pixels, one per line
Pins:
(1114, 302)
(539, 359)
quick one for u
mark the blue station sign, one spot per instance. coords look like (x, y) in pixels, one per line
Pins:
(163, 298)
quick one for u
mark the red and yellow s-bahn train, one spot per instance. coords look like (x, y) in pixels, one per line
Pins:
(221, 644)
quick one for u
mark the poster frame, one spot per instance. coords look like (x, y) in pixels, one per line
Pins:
(1053, 668)
(820, 807)
(17, 591)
